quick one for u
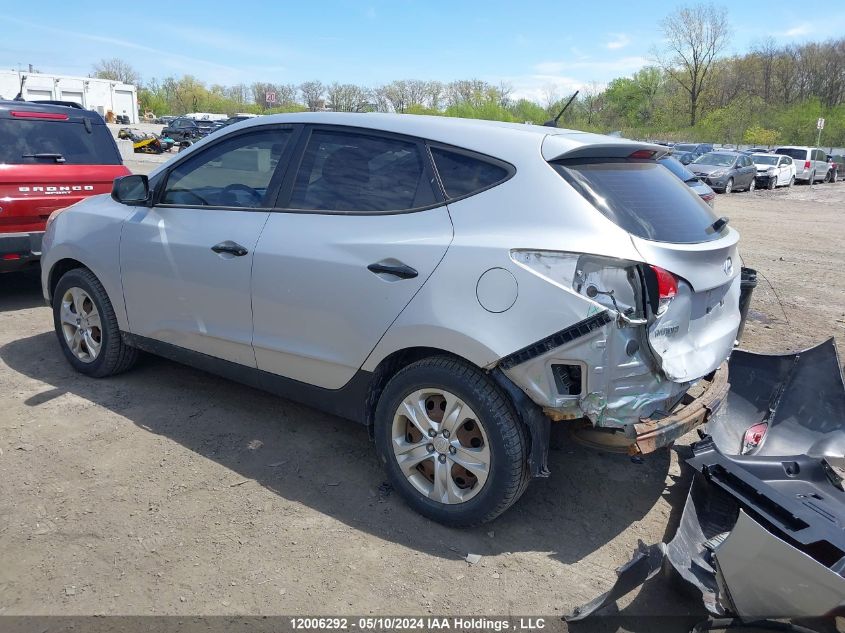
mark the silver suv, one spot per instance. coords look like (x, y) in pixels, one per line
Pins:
(454, 285)
(810, 163)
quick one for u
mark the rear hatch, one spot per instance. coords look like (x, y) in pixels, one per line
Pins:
(694, 313)
(49, 161)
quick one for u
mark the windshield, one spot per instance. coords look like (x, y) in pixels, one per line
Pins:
(643, 198)
(714, 158)
(37, 142)
(765, 160)
(685, 148)
(677, 168)
(800, 154)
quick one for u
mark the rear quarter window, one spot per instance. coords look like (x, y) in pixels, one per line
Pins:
(643, 198)
(22, 140)
(466, 173)
(797, 154)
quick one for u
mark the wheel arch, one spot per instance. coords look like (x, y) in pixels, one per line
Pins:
(388, 366)
(58, 270)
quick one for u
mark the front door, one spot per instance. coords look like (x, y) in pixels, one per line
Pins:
(362, 230)
(187, 261)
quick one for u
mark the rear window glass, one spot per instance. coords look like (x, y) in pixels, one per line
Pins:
(462, 174)
(677, 168)
(800, 154)
(765, 160)
(643, 198)
(22, 141)
(345, 171)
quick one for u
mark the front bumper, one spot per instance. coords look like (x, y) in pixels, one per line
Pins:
(19, 250)
(764, 180)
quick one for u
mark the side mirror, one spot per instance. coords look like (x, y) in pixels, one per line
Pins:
(131, 190)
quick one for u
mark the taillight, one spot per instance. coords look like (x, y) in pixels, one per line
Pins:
(10, 257)
(806, 164)
(24, 114)
(667, 283)
(754, 437)
(707, 197)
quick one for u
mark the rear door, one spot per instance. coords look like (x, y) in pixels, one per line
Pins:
(187, 261)
(360, 228)
(49, 161)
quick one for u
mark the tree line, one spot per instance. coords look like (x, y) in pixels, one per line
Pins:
(771, 94)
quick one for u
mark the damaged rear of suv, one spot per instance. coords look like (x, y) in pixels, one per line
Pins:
(647, 362)
(455, 285)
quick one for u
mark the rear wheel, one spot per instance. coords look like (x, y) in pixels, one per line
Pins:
(791, 181)
(451, 442)
(729, 186)
(87, 328)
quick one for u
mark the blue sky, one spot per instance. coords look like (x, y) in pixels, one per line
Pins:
(534, 45)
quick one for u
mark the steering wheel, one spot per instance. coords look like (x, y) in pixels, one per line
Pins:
(228, 189)
(181, 194)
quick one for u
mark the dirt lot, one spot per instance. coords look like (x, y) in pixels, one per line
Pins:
(169, 491)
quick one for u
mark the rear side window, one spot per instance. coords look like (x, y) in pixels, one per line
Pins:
(797, 154)
(42, 142)
(463, 174)
(347, 171)
(643, 198)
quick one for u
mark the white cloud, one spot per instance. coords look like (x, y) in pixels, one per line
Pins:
(797, 31)
(614, 67)
(620, 40)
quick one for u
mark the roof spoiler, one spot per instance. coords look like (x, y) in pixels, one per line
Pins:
(558, 147)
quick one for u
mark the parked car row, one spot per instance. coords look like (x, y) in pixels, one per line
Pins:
(733, 170)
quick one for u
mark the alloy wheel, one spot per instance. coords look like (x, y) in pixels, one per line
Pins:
(752, 186)
(81, 325)
(440, 446)
(729, 185)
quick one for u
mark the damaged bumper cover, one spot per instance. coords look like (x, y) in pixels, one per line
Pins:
(762, 534)
(603, 372)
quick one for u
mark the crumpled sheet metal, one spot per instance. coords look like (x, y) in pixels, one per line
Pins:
(802, 397)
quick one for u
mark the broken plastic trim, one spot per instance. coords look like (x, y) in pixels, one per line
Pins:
(553, 341)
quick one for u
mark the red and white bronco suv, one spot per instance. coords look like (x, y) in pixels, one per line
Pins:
(51, 156)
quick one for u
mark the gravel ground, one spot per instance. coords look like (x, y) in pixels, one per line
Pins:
(170, 491)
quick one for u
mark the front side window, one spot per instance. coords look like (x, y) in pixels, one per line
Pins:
(349, 171)
(463, 173)
(233, 173)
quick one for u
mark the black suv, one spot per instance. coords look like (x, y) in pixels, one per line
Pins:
(185, 129)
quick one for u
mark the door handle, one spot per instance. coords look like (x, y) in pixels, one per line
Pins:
(400, 270)
(233, 248)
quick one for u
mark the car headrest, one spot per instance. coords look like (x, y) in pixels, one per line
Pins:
(346, 167)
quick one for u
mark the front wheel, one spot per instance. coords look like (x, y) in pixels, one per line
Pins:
(773, 182)
(729, 186)
(87, 328)
(451, 442)
(752, 185)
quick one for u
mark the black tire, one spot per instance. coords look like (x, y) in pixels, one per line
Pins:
(114, 356)
(773, 183)
(507, 436)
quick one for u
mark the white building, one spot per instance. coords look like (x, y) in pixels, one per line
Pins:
(102, 95)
